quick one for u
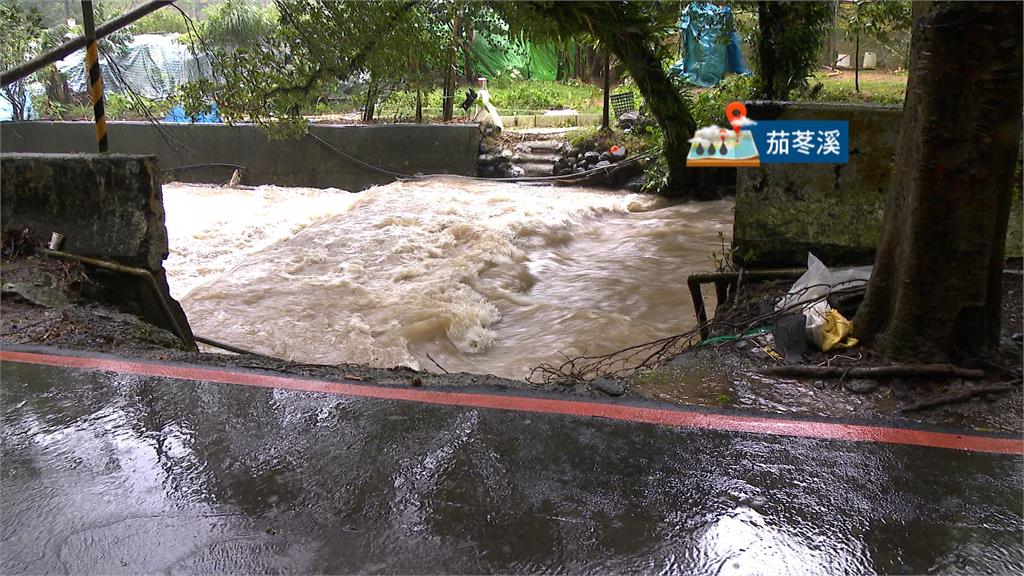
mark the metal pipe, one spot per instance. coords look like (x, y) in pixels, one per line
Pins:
(164, 306)
(137, 272)
(724, 279)
(62, 51)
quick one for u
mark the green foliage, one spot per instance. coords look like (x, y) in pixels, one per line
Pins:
(788, 39)
(708, 107)
(123, 107)
(117, 106)
(163, 21)
(656, 171)
(886, 90)
(535, 95)
(23, 29)
(116, 43)
(723, 258)
(236, 23)
(581, 137)
(882, 20)
(508, 96)
(271, 78)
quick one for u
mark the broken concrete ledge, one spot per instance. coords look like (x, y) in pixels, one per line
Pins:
(108, 207)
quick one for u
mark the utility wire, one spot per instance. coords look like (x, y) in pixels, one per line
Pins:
(140, 105)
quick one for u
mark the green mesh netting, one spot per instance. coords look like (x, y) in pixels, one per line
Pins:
(497, 56)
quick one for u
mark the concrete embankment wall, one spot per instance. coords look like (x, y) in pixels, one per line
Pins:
(401, 148)
(108, 207)
(834, 210)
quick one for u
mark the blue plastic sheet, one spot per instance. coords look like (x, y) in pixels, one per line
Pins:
(709, 52)
(177, 114)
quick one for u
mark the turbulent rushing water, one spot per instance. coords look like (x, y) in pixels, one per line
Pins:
(484, 277)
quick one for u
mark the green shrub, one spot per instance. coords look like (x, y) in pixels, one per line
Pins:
(528, 96)
(583, 136)
(124, 107)
(888, 90)
(167, 20)
(509, 96)
(708, 107)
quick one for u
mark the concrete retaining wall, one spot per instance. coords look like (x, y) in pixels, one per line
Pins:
(402, 148)
(835, 210)
(108, 207)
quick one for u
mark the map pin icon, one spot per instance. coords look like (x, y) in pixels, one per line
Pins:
(735, 112)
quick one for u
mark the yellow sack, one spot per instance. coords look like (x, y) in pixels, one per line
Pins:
(836, 332)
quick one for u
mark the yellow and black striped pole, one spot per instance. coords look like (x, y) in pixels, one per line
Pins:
(92, 68)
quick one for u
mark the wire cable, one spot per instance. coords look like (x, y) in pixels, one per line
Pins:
(207, 165)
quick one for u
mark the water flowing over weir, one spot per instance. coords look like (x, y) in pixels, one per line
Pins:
(484, 277)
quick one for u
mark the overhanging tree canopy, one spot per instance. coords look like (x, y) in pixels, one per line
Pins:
(633, 32)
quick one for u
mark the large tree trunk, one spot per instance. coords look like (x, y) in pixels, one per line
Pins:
(936, 288)
(626, 29)
(665, 103)
(448, 103)
(467, 55)
(769, 24)
(371, 102)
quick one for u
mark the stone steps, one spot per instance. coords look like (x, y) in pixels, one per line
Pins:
(536, 157)
(547, 145)
(525, 158)
(536, 168)
(533, 157)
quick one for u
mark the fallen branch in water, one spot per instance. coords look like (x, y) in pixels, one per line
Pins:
(874, 372)
(958, 396)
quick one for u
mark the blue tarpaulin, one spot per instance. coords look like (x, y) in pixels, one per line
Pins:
(177, 114)
(708, 48)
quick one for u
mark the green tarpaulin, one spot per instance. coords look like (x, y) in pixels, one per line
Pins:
(497, 56)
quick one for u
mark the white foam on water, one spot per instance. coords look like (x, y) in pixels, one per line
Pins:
(484, 277)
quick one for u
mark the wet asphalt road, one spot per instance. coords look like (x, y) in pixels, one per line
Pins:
(118, 473)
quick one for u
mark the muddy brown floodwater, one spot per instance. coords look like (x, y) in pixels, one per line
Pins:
(484, 277)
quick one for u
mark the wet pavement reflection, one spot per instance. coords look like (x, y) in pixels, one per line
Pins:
(112, 473)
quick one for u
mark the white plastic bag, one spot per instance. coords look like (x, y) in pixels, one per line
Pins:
(818, 281)
(811, 287)
(814, 322)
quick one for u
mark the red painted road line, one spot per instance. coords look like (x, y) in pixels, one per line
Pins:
(666, 417)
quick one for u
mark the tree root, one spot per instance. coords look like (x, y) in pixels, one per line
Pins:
(874, 372)
(958, 396)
